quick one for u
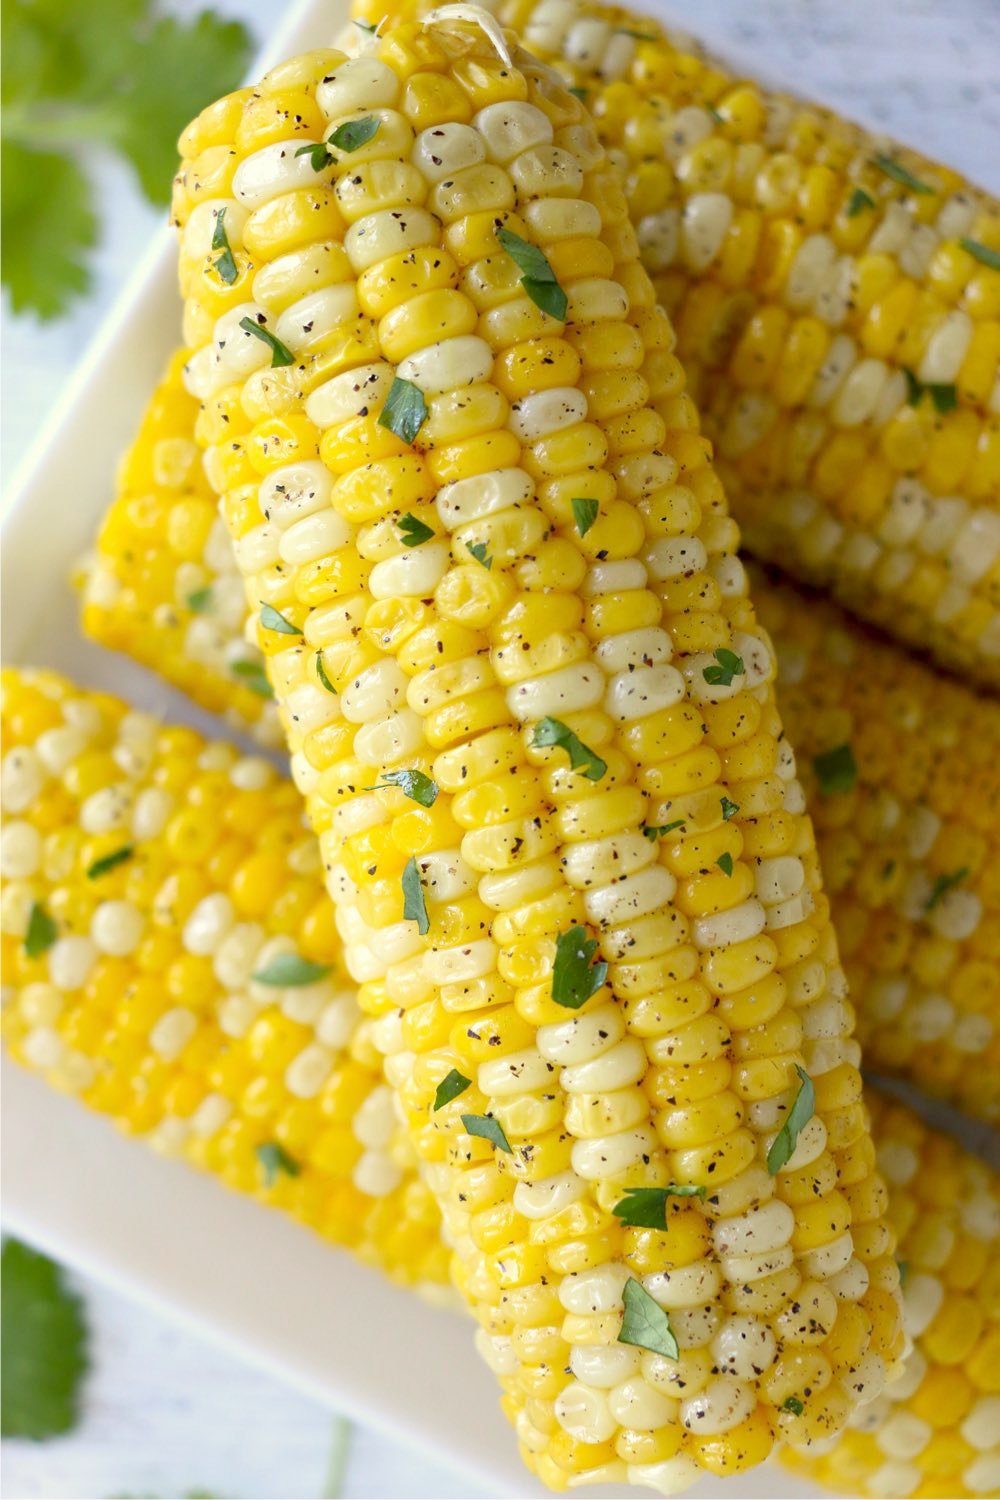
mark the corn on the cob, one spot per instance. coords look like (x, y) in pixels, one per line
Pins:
(147, 877)
(161, 583)
(837, 305)
(935, 1434)
(910, 843)
(443, 610)
(902, 777)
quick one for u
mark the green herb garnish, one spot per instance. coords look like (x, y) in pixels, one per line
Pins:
(537, 276)
(272, 619)
(319, 157)
(794, 1405)
(984, 253)
(199, 601)
(253, 677)
(289, 971)
(413, 532)
(646, 1324)
(725, 863)
(478, 550)
(729, 809)
(898, 173)
(321, 674)
(405, 410)
(281, 355)
(226, 266)
(487, 1129)
(575, 977)
(727, 666)
(42, 931)
(451, 1085)
(110, 862)
(646, 1208)
(579, 93)
(654, 831)
(858, 201)
(799, 1116)
(273, 1158)
(836, 770)
(413, 784)
(585, 514)
(414, 902)
(581, 757)
(354, 134)
(44, 1348)
(942, 885)
(944, 397)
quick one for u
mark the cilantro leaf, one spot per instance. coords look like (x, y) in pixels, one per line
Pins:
(110, 862)
(199, 601)
(585, 514)
(836, 770)
(646, 1208)
(646, 1324)
(321, 674)
(273, 619)
(290, 971)
(413, 784)
(451, 1085)
(729, 809)
(48, 226)
(413, 532)
(479, 551)
(537, 276)
(123, 78)
(42, 931)
(581, 757)
(801, 1112)
(858, 202)
(488, 1129)
(654, 831)
(226, 267)
(727, 666)
(414, 901)
(354, 134)
(44, 1347)
(319, 156)
(281, 355)
(253, 676)
(794, 1405)
(725, 863)
(273, 1158)
(405, 410)
(984, 253)
(574, 975)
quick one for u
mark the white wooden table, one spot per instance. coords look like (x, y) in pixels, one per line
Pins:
(166, 1413)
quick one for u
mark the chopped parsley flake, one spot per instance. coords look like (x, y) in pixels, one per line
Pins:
(479, 551)
(858, 202)
(646, 1208)
(272, 619)
(654, 831)
(801, 1112)
(405, 410)
(488, 1129)
(585, 514)
(273, 1159)
(253, 676)
(729, 809)
(413, 532)
(637, 36)
(725, 863)
(581, 94)
(727, 666)
(199, 601)
(575, 977)
(944, 397)
(984, 253)
(42, 931)
(537, 276)
(414, 902)
(354, 134)
(898, 173)
(321, 674)
(942, 885)
(226, 266)
(110, 862)
(319, 157)
(413, 784)
(581, 757)
(646, 1324)
(289, 971)
(836, 770)
(794, 1405)
(451, 1085)
(281, 355)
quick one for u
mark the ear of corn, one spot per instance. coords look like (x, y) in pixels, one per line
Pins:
(147, 877)
(161, 583)
(935, 1433)
(837, 305)
(902, 776)
(565, 687)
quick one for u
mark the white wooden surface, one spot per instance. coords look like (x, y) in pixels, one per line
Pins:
(166, 1413)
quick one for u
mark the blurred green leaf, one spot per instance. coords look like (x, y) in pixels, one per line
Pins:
(116, 75)
(44, 1352)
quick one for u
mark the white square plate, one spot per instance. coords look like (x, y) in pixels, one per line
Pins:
(151, 1227)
